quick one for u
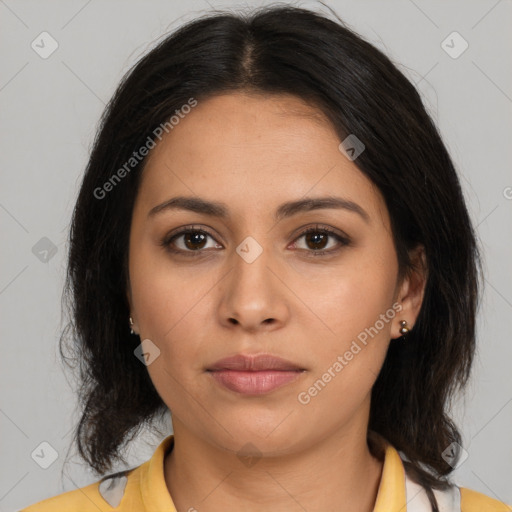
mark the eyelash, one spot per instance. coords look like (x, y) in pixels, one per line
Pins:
(167, 241)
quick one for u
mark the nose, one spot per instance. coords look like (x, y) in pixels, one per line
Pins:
(253, 296)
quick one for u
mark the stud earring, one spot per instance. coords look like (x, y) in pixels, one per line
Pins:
(404, 329)
(131, 326)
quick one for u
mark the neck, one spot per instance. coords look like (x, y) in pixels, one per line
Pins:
(338, 473)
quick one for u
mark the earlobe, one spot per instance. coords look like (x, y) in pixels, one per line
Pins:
(404, 327)
(133, 327)
(412, 291)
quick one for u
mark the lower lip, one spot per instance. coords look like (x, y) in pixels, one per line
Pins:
(256, 382)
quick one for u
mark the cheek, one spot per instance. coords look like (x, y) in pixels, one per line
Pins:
(169, 309)
(172, 306)
(359, 302)
(356, 303)
(352, 295)
(162, 292)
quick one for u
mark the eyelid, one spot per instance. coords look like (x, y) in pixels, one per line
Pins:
(184, 229)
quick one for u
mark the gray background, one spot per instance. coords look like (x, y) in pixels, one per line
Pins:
(50, 109)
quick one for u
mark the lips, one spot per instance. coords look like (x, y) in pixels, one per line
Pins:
(254, 363)
(254, 375)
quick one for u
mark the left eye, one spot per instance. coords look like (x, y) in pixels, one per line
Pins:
(193, 239)
(316, 240)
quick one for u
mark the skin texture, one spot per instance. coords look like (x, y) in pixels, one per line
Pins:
(253, 153)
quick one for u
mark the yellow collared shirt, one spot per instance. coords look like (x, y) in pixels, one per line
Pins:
(143, 489)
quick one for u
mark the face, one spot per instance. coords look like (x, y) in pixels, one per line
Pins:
(242, 277)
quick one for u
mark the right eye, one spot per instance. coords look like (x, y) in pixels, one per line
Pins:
(189, 241)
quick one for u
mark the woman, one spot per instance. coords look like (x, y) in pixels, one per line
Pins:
(271, 242)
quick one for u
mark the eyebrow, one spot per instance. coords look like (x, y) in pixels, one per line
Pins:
(288, 209)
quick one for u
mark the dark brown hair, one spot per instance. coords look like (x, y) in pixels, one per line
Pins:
(295, 51)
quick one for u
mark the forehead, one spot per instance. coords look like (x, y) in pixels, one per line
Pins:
(253, 148)
(272, 126)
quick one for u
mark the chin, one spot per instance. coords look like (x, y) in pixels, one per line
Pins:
(259, 439)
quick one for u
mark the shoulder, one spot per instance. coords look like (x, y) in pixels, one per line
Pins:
(140, 488)
(473, 501)
(102, 495)
(84, 499)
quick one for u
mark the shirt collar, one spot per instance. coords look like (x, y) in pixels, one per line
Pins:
(155, 494)
(391, 496)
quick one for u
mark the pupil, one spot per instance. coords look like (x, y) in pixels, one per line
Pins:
(193, 239)
(319, 238)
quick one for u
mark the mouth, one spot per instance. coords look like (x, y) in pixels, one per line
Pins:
(254, 375)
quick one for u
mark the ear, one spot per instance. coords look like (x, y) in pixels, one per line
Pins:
(411, 290)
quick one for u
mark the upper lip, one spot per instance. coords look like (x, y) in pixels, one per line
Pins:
(254, 363)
